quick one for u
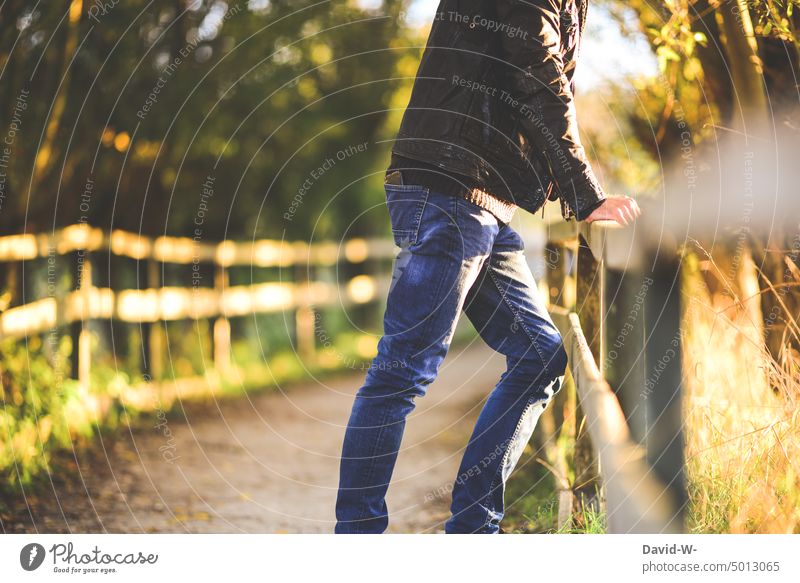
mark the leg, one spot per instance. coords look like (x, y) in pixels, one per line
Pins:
(444, 242)
(506, 310)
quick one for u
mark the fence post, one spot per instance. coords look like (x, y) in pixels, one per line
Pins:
(555, 262)
(153, 349)
(222, 327)
(79, 329)
(304, 312)
(142, 280)
(84, 335)
(663, 387)
(626, 291)
(553, 419)
(589, 298)
(11, 285)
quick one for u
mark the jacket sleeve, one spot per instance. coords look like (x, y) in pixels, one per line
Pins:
(545, 104)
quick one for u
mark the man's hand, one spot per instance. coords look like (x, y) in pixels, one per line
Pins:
(622, 209)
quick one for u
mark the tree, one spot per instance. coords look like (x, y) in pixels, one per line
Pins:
(733, 68)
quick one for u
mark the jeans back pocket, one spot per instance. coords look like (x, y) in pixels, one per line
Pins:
(405, 203)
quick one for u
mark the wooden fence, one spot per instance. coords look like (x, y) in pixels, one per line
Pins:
(211, 298)
(626, 331)
(624, 347)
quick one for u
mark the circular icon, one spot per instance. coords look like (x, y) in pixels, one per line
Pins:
(31, 556)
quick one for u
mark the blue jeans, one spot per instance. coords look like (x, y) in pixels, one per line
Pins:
(454, 255)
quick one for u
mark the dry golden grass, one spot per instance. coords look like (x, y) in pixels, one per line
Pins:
(742, 422)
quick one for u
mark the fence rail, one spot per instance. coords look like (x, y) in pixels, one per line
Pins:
(627, 329)
(185, 250)
(166, 303)
(210, 297)
(178, 303)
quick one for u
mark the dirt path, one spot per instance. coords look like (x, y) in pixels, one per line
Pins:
(267, 464)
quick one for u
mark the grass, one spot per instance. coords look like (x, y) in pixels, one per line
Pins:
(741, 422)
(532, 505)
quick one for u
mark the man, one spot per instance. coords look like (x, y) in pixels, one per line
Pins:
(490, 127)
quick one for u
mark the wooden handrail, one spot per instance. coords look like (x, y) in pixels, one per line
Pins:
(185, 250)
(178, 303)
(636, 501)
(153, 302)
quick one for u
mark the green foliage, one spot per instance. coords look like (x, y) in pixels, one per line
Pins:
(37, 396)
(532, 504)
(147, 100)
(777, 19)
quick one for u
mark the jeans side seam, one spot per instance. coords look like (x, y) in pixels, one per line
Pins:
(497, 479)
(364, 514)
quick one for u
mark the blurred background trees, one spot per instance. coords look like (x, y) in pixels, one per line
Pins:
(146, 100)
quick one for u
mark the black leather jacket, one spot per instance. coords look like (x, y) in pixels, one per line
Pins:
(493, 100)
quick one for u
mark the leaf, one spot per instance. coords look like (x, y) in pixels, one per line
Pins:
(668, 54)
(701, 38)
(692, 69)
